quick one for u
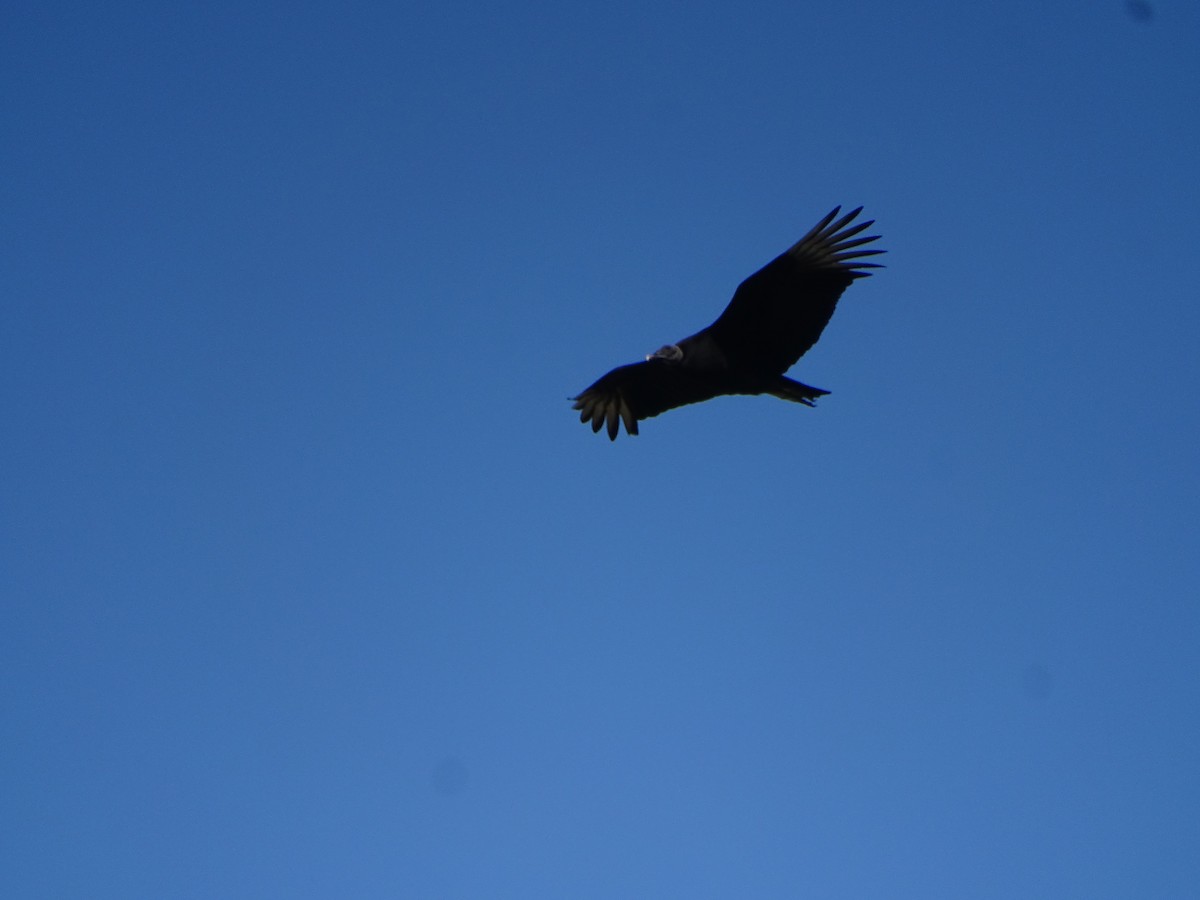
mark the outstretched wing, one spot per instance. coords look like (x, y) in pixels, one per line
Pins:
(779, 312)
(639, 391)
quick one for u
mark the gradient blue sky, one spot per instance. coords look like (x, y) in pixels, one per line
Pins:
(313, 586)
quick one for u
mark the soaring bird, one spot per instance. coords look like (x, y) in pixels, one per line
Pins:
(775, 316)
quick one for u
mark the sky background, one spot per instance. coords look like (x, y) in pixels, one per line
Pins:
(313, 585)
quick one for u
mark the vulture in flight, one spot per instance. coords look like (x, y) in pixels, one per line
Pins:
(775, 316)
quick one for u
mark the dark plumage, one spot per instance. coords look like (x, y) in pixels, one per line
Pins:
(775, 316)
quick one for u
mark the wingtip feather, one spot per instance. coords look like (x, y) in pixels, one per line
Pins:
(629, 418)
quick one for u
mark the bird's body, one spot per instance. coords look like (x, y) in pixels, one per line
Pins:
(775, 316)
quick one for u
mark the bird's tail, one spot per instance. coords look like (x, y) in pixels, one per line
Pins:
(786, 389)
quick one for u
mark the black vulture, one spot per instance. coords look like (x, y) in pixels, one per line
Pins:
(775, 316)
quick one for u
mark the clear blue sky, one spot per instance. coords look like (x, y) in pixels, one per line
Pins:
(313, 585)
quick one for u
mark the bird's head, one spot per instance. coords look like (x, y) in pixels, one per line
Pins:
(669, 352)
